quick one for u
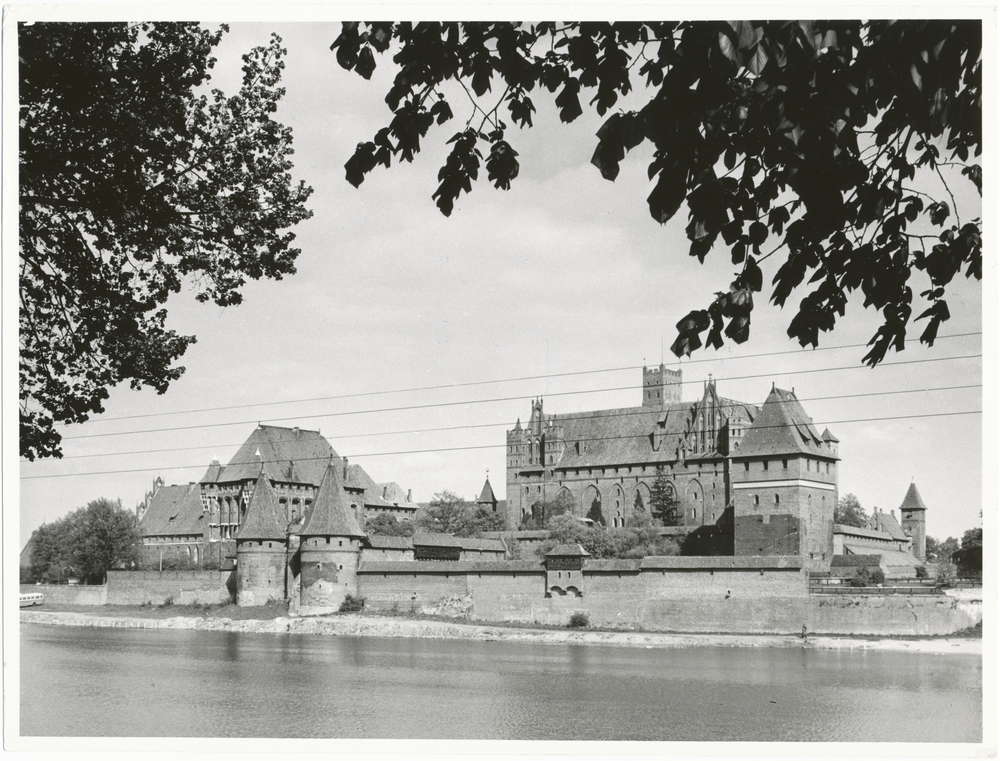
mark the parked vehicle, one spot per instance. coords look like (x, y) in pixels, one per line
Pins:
(30, 599)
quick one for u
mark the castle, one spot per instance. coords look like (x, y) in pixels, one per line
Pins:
(286, 517)
(763, 475)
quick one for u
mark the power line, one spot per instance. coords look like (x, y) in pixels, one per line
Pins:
(468, 384)
(435, 405)
(479, 447)
(638, 411)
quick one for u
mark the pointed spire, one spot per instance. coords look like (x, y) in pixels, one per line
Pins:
(265, 518)
(912, 500)
(331, 514)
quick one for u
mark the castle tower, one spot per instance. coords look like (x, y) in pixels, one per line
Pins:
(261, 548)
(660, 387)
(784, 481)
(330, 547)
(913, 512)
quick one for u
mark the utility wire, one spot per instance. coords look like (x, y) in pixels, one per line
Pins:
(482, 446)
(575, 417)
(468, 384)
(436, 405)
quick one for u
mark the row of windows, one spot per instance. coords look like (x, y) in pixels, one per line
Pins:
(777, 499)
(784, 465)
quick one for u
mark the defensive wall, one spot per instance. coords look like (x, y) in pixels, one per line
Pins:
(765, 595)
(70, 594)
(681, 594)
(158, 587)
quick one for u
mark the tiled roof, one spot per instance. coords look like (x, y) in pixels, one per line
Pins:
(358, 478)
(265, 519)
(383, 542)
(331, 514)
(856, 560)
(567, 551)
(396, 494)
(724, 561)
(886, 522)
(613, 564)
(626, 435)
(890, 557)
(483, 545)
(430, 539)
(782, 427)
(174, 511)
(487, 494)
(289, 455)
(456, 566)
(839, 528)
(912, 499)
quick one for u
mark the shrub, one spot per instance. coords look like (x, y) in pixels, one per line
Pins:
(866, 577)
(579, 620)
(921, 572)
(946, 574)
(352, 604)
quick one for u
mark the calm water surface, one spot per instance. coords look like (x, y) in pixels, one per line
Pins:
(106, 682)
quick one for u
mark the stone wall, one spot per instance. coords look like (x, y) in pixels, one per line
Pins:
(70, 594)
(682, 594)
(183, 587)
(891, 614)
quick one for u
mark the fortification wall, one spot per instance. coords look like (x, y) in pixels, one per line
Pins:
(70, 594)
(413, 592)
(891, 614)
(516, 596)
(183, 587)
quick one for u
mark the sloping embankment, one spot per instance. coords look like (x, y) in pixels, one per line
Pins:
(366, 626)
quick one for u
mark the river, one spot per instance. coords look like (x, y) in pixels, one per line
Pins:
(185, 683)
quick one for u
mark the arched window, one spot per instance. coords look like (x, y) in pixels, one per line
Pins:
(777, 499)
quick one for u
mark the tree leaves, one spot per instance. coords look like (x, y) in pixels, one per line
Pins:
(130, 185)
(807, 137)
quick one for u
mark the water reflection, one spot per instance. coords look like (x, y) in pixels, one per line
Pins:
(197, 684)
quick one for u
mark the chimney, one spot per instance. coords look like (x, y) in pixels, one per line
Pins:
(385, 490)
(345, 469)
(409, 495)
(297, 432)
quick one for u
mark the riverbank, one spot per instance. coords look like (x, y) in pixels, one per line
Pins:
(274, 620)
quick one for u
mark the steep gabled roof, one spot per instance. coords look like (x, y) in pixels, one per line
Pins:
(289, 455)
(912, 500)
(265, 519)
(394, 493)
(376, 494)
(331, 514)
(174, 511)
(887, 523)
(782, 427)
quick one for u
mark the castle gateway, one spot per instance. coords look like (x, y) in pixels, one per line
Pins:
(763, 472)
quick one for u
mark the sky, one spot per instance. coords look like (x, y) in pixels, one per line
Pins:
(413, 341)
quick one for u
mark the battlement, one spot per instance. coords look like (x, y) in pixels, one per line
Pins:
(660, 386)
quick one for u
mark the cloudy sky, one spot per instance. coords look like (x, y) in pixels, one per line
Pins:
(412, 341)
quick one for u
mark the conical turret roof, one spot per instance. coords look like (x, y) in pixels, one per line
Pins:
(264, 519)
(912, 499)
(331, 514)
(487, 496)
